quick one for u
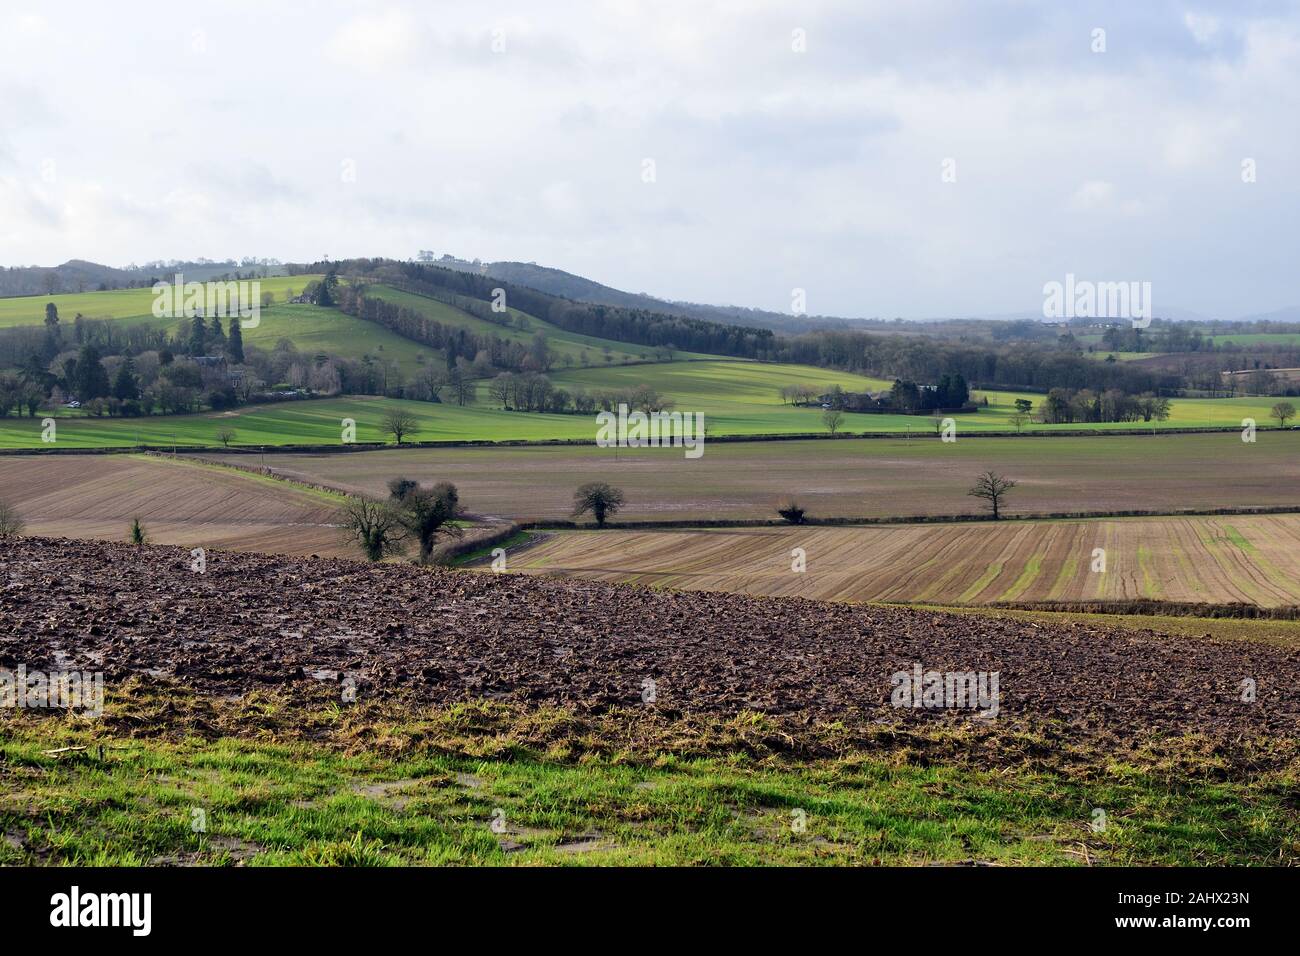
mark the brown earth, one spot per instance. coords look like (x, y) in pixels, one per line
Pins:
(179, 502)
(849, 478)
(1244, 558)
(255, 622)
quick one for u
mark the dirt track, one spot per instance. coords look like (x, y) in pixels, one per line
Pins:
(256, 621)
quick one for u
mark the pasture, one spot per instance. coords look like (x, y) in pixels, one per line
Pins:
(129, 306)
(568, 347)
(314, 330)
(736, 398)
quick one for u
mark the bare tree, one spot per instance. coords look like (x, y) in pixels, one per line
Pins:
(1283, 411)
(832, 418)
(993, 488)
(373, 526)
(1019, 419)
(399, 423)
(226, 435)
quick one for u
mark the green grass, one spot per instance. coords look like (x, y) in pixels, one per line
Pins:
(581, 349)
(314, 330)
(297, 422)
(1256, 338)
(1102, 355)
(736, 398)
(129, 306)
(376, 791)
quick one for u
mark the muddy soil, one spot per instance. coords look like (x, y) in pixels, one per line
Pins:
(256, 621)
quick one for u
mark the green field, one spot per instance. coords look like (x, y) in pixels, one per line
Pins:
(1248, 339)
(1102, 355)
(129, 306)
(265, 781)
(581, 349)
(736, 398)
(313, 330)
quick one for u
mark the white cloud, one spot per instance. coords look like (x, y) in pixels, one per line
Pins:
(775, 169)
(375, 41)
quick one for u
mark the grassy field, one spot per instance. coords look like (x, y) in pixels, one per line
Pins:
(297, 422)
(179, 502)
(129, 306)
(1247, 339)
(1252, 559)
(1102, 355)
(580, 349)
(736, 398)
(271, 783)
(315, 330)
(844, 478)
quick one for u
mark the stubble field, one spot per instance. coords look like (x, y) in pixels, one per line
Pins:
(1250, 559)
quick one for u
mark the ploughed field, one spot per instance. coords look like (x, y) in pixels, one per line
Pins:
(840, 478)
(438, 636)
(1253, 559)
(178, 502)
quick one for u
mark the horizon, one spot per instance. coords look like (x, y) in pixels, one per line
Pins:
(937, 160)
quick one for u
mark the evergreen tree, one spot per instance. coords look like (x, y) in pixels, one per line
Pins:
(91, 377)
(198, 344)
(235, 343)
(53, 334)
(216, 336)
(959, 394)
(325, 295)
(127, 386)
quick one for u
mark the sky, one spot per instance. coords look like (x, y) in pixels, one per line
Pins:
(914, 159)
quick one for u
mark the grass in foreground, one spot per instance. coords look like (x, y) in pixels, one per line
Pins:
(261, 782)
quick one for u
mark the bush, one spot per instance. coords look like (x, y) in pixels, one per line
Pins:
(11, 523)
(790, 510)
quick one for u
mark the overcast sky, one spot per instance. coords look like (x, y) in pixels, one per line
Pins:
(138, 131)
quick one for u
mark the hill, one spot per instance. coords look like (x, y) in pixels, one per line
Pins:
(78, 275)
(569, 286)
(130, 306)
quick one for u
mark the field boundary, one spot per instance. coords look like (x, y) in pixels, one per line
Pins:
(445, 554)
(686, 525)
(259, 471)
(1149, 606)
(355, 447)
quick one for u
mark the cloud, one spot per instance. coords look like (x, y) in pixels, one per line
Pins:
(776, 168)
(375, 41)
